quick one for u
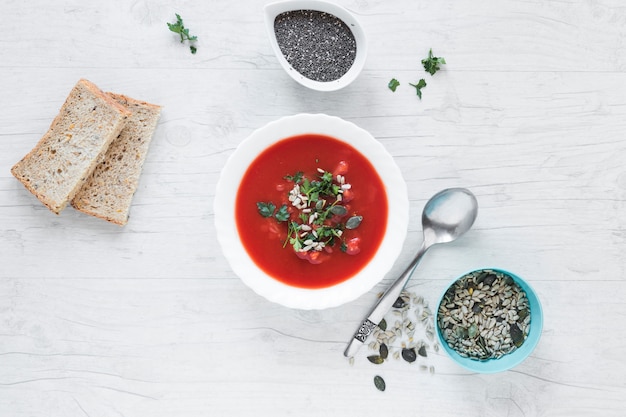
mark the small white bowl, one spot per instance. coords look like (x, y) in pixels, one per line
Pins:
(237, 256)
(272, 10)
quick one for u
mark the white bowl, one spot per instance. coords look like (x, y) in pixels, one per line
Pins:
(236, 254)
(272, 10)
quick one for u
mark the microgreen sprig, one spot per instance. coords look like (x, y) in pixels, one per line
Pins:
(179, 27)
(432, 63)
(418, 87)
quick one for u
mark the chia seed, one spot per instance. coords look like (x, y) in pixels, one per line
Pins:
(318, 45)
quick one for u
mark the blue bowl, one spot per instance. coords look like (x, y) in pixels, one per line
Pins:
(509, 360)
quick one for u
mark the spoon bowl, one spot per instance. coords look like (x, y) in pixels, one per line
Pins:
(448, 215)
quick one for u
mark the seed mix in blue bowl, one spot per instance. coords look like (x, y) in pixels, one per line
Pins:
(484, 315)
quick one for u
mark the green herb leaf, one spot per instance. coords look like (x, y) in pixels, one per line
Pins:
(266, 209)
(418, 87)
(282, 215)
(295, 178)
(179, 27)
(431, 64)
(393, 84)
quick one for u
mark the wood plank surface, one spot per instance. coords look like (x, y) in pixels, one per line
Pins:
(149, 320)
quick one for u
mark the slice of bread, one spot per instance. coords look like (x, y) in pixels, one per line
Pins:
(108, 193)
(58, 166)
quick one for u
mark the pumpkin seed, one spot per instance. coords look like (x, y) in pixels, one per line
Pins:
(481, 277)
(339, 210)
(422, 351)
(382, 325)
(472, 331)
(399, 303)
(353, 222)
(409, 354)
(523, 313)
(384, 351)
(379, 382)
(489, 279)
(376, 359)
(517, 336)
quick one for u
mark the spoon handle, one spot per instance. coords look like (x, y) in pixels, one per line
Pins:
(383, 305)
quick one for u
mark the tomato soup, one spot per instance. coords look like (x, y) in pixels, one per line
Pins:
(295, 232)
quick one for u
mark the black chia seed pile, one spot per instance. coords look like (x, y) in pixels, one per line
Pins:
(318, 45)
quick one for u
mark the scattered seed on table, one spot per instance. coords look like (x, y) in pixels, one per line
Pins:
(409, 355)
(382, 325)
(422, 351)
(384, 351)
(379, 382)
(375, 359)
(410, 315)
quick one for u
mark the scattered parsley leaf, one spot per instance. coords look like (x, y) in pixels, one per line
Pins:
(269, 210)
(266, 209)
(431, 64)
(393, 84)
(295, 178)
(180, 28)
(418, 87)
(282, 215)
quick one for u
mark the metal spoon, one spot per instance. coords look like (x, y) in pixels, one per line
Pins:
(446, 216)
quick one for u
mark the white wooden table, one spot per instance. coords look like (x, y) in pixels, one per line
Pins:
(149, 320)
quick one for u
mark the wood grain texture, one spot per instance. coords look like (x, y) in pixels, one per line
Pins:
(149, 320)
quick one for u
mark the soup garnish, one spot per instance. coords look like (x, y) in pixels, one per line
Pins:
(317, 214)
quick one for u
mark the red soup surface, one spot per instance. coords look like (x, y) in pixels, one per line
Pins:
(264, 211)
